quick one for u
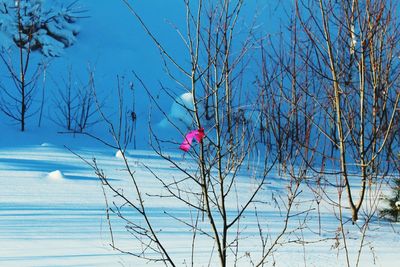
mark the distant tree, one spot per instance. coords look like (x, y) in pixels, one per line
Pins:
(393, 211)
(75, 107)
(31, 26)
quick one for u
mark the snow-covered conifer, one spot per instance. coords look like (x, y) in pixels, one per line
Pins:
(32, 24)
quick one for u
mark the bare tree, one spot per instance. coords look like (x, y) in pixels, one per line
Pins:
(25, 85)
(213, 81)
(75, 103)
(65, 103)
(360, 83)
(344, 66)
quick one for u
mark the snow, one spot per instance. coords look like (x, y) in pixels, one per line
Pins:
(56, 175)
(119, 154)
(51, 47)
(6, 29)
(52, 207)
(46, 223)
(181, 111)
(46, 144)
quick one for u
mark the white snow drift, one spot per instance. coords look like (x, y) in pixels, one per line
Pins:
(56, 175)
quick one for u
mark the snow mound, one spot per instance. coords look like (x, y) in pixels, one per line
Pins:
(46, 144)
(56, 175)
(181, 111)
(119, 154)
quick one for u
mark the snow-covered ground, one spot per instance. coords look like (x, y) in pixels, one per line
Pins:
(52, 213)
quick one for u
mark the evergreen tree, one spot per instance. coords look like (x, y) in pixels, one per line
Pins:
(393, 211)
(38, 25)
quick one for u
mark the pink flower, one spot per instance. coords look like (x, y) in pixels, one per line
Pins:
(198, 135)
